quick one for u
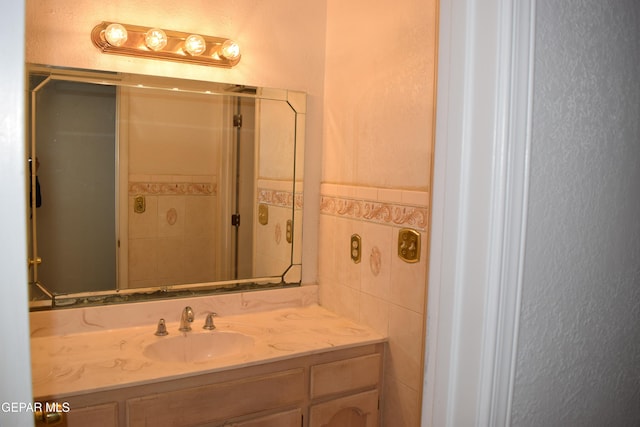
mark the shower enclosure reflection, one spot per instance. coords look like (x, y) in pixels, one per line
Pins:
(154, 184)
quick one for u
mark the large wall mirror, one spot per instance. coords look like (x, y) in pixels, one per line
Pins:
(145, 187)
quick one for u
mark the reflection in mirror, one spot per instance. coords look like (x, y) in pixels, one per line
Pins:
(154, 187)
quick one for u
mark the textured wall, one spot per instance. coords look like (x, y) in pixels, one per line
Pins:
(579, 350)
(379, 83)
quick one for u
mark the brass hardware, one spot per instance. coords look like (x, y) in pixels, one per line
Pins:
(237, 120)
(289, 231)
(49, 418)
(409, 245)
(36, 261)
(139, 204)
(356, 248)
(263, 214)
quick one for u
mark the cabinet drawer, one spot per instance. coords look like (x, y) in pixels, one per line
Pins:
(345, 375)
(97, 416)
(218, 401)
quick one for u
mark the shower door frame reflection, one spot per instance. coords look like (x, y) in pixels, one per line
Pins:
(79, 167)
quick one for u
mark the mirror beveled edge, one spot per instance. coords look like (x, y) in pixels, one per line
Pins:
(292, 275)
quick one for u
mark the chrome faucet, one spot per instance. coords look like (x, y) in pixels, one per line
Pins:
(185, 319)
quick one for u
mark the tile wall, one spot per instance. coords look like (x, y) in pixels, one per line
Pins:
(273, 251)
(382, 291)
(173, 240)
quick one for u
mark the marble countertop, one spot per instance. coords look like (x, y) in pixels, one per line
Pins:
(78, 363)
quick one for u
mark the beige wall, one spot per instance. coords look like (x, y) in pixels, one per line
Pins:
(377, 148)
(277, 51)
(379, 88)
(180, 134)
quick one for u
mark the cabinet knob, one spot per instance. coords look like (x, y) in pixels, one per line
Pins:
(48, 418)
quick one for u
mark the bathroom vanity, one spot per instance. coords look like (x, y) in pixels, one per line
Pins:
(296, 366)
(320, 390)
(177, 187)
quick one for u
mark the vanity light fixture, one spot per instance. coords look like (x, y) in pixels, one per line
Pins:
(156, 43)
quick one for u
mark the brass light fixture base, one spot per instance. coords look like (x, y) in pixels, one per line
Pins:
(135, 45)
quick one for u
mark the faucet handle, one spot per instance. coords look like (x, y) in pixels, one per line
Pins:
(162, 328)
(208, 324)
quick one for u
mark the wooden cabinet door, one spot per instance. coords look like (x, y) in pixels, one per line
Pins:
(358, 410)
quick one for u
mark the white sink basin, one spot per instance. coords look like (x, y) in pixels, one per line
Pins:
(198, 347)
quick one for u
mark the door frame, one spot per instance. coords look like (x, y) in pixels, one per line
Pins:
(15, 365)
(480, 195)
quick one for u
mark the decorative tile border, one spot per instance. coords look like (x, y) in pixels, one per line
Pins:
(379, 212)
(172, 188)
(280, 198)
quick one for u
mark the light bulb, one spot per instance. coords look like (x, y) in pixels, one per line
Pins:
(155, 39)
(195, 45)
(115, 34)
(230, 50)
